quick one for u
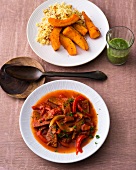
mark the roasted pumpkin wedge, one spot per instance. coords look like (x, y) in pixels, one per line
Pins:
(68, 45)
(93, 30)
(65, 22)
(80, 28)
(75, 36)
(54, 38)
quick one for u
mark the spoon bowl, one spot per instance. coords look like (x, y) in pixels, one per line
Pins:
(10, 84)
(18, 88)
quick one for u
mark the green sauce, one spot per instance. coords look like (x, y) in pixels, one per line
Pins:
(117, 51)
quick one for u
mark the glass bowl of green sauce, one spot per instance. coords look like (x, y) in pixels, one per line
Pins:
(119, 42)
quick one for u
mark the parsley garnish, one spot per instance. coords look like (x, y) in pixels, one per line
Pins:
(70, 100)
(82, 122)
(74, 127)
(97, 136)
(71, 114)
(65, 105)
(60, 135)
(66, 135)
(92, 128)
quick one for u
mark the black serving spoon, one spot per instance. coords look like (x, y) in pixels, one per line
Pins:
(31, 74)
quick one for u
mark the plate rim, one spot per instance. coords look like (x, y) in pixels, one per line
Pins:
(64, 64)
(49, 159)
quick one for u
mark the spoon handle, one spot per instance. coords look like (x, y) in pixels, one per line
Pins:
(97, 75)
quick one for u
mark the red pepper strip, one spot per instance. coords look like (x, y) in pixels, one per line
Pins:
(41, 136)
(76, 100)
(78, 143)
(38, 107)
(35, 108)
(80, 108)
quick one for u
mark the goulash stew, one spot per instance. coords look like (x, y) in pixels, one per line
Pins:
(64, 121)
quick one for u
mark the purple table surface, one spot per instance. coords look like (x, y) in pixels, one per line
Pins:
(119, 92)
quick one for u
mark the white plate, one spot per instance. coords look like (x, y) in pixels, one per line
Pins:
(89, 149)
(61, 57)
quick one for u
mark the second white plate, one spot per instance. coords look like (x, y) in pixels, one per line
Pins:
(61, 57)
(89, 149)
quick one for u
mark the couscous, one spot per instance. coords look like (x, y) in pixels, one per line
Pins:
(58, 11)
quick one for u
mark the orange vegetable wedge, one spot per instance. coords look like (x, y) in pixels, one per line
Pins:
(93, 30)
(68, 45)
(63, 23)
(54, 38)
(80, 28)
(75, 36)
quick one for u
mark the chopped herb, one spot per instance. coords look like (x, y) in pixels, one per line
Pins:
(97, 136)
(66, 104)
(71, 114)
(70, 100)
(92, 128)
(66, 135)
(74, 127)
(56, 150)
(60, 135)
(64, 131)
(96, 143)
(82, 122)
